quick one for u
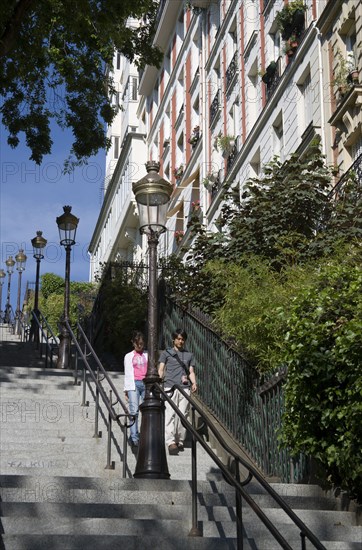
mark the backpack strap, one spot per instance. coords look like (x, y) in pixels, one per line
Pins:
(176, 355)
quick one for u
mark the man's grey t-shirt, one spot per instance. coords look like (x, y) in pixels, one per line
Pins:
(173, 370)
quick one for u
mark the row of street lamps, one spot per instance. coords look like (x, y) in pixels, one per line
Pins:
(152, 194)
(67, 226)
(20, 261)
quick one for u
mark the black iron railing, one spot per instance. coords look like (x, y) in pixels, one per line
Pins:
(97, 380)
(216, 185)
(45, 340)
(231, 389)
(235, 479)
(231, 72)
(354, 171)
(214, 107)
(233, 155)
(274, 79)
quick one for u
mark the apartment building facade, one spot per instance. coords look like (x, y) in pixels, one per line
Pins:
(236, 87)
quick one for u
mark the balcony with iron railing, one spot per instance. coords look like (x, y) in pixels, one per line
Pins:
(215, 107)
(233, 154)
(354, 171)
(231, 72)
(216, 185)
(272, 76)
(180, 118)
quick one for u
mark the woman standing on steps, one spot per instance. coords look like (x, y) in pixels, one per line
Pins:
(177, 368)
(135, 368)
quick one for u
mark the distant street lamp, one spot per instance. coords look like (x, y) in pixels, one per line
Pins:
(2, 277)
(10, 270)
(20, 259)
(67, 225)
(152, 194)
(38, 243)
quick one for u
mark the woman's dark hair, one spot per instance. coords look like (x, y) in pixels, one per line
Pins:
(179, 332)
(136, 336)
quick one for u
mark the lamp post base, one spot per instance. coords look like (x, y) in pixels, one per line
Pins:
(64, 349)
(151, 460)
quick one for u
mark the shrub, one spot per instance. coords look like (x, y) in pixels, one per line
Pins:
(323, 350)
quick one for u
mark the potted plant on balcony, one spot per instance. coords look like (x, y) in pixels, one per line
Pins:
(352, 68)
(290, 19)
(341, 74)
(179, 235)
(209, 180)
(195, 136)
(225, 144)
(178, 172)
(269, 73)
(291, 45)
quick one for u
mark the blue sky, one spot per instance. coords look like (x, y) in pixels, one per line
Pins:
(31, 197)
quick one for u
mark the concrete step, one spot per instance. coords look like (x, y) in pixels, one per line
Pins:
(51, 525)
(113, 542)
(78, 503)
(131, 510)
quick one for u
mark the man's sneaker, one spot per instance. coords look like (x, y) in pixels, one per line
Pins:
(173, 449)
(132, 443)
(180, 446)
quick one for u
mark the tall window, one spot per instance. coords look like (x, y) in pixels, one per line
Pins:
(351, 49)
(306, 103)
(118, 61)
(133, 82)
(116, 147)
(278, 137)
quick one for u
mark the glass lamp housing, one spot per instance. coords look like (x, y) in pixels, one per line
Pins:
(152, 194)
(38, 244)
(67, 225)
(20, 259)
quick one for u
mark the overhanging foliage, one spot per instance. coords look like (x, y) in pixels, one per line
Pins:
(53, 65)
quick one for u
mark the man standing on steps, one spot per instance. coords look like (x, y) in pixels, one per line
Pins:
(176, 368)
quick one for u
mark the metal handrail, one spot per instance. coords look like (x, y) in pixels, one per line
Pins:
(234, 479)
(10, 318)
(233, 395)
(110, 401)
(22, 329)
(47, 337)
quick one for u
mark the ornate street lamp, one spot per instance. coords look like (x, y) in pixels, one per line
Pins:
(67, 225)
(152, 194)
(38, 243)
(10, 270)
(20, 259)
(2, 277)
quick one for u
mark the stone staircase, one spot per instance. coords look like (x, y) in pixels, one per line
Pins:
(57, 493)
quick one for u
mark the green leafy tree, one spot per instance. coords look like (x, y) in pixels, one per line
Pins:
(280, 213)
(51, 284)
(51, 299)
(323, 350)
(255, 303)
(53, 65)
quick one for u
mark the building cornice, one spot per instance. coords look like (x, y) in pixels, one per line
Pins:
(164, 31)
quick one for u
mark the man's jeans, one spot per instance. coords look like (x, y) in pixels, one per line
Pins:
(135, 398)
